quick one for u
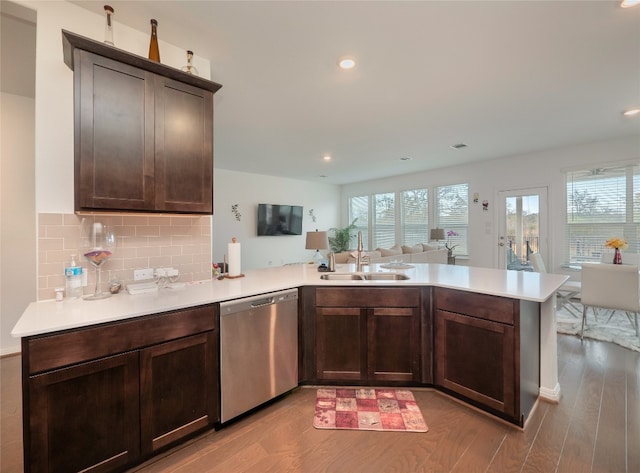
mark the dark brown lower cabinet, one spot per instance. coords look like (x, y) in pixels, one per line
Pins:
(474, 357)
(487, 351)
(178, 394)
(368, 335)
(104, 398)
(86, 417)
(341, 343)
(392, 344)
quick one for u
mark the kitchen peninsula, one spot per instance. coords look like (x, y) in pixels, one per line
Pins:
(445, 310)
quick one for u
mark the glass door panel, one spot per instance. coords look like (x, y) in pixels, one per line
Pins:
(521, 226)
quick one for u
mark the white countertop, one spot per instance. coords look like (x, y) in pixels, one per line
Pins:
(51, 316)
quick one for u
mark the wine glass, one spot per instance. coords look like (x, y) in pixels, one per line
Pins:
(97, 241)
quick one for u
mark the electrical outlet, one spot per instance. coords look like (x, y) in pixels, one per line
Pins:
(139, 274)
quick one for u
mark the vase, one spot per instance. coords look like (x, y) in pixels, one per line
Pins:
(617, 257)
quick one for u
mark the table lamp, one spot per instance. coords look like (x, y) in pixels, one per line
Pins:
(437, 234)
(317, 241)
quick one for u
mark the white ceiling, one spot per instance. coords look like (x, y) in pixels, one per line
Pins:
(506, 78)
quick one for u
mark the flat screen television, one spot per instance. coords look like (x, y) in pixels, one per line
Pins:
(276, 219)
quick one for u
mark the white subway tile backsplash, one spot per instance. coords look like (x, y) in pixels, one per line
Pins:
(183, 242)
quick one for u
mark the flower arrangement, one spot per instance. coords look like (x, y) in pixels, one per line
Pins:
(448, 245)
(616, 243)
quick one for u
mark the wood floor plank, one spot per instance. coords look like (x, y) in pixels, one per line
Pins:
(512, 453)
(579, 445)
(632, 364)
(610, 450)
(547, 446)
(489, 437)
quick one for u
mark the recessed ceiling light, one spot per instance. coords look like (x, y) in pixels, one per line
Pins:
(459, 146)
(326, 157)
(347, 63)
(629, 3)
(632, 111)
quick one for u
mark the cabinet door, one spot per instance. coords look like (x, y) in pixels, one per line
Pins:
(184, 147)
(86, 417)
(114, 126)
(341, 344)
(393, 351)
(475, 358)
(178, 389)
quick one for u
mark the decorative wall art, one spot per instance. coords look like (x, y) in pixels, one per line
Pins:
(236, 212)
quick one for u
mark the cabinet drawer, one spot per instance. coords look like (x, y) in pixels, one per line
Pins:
(483, 306)
(118, 337)
(368, 297)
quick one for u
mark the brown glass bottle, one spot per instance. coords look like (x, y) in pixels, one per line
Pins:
(154, 51)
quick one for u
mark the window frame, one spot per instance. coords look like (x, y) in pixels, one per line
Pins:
(584, 240)
(433, 218)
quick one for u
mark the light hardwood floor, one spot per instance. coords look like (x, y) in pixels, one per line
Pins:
(594, 428)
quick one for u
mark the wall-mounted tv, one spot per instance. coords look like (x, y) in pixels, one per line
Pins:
(279, 219)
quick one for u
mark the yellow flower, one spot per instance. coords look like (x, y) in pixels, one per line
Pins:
(616, 243)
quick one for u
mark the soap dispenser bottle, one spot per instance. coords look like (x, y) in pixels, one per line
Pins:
(332, 262)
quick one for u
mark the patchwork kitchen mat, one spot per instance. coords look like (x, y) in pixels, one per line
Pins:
(390, 410)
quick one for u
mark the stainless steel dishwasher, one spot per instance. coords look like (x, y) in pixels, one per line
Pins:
(258, 350)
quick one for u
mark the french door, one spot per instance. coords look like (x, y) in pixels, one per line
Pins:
(522, 227)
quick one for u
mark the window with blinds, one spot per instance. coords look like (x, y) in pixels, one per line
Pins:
(383, 224)
(414, 216)
(602, 203)
(392, 218)
(359, 211)
(452, 214)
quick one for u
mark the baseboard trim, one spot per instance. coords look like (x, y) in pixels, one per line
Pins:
(551, 395)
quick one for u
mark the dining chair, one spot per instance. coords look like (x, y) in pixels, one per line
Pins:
(613, 287)
(565, 293)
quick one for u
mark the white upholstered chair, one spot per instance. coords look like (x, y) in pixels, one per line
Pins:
(611, 286)
(568, 291)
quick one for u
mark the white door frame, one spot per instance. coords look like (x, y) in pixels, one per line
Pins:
(501, 196)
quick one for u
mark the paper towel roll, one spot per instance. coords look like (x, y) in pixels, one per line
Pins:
(234, 258)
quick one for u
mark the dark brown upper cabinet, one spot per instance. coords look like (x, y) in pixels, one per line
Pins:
(143, 132)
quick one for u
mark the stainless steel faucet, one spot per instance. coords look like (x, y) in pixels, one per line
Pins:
(359, 262)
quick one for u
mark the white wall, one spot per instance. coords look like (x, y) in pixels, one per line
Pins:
(541, 169)
(248, 190)
(17, 217)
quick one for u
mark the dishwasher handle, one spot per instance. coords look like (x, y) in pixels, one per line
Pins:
(263, 302)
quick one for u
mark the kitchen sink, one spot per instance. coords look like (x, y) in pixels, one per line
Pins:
(364, 277)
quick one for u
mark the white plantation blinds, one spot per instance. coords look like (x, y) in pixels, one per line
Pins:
(602, 203)
(414, 216)
(384, 220)
(359, 209)
(452, 214)
(404, 217)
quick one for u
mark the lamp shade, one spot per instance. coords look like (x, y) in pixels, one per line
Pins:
(317, 241)
(437, 234)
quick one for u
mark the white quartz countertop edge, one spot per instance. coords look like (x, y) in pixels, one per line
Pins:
(50, 316)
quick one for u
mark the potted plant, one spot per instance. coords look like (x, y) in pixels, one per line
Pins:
(342, 237)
